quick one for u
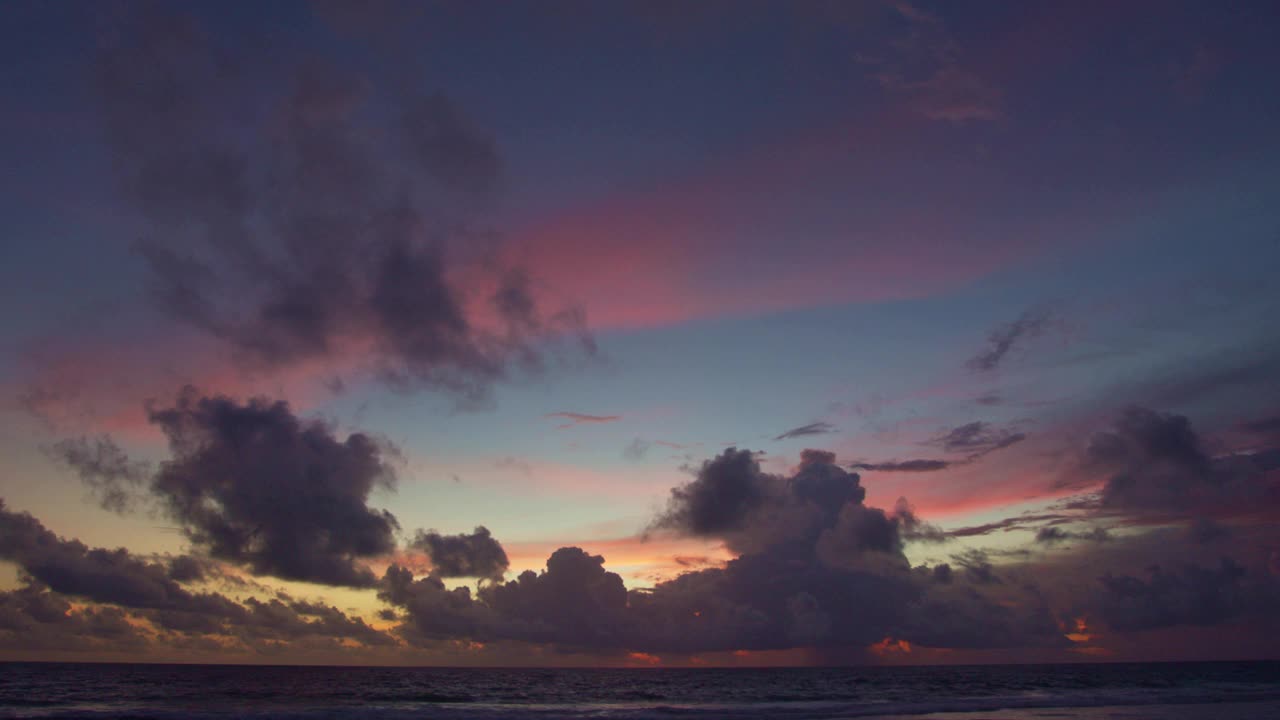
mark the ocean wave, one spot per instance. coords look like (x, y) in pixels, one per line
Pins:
(449, 709)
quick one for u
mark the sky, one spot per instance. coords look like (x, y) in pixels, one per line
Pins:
(639, 333)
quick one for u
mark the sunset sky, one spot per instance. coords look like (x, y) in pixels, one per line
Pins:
(633, 333)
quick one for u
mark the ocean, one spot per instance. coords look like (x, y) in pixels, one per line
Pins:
(1177, 691)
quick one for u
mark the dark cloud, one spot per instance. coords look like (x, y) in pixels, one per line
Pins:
(912, 528)
(286, 618)
(31, 618)
(977, 439)
(977, 567)
(1005, 338)
(186, 568)
(1156, 463)
(914, 466)
(252, 483)
(1025, 521)
(1054, 534)
(727, 489)
(288, 228)
(817, 428)
(817, 568)
(151, 590)
(476, 555)
(107, 576)
(114, 480)
(1192, 595)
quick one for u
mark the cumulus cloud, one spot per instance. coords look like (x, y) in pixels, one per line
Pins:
(254, 484)
(816, 428)
(108, 576)
(37, 615)
(727, 489)
(816, 568)
(1155, 462)
(286, 227)
(476, 555)
(1007, 337)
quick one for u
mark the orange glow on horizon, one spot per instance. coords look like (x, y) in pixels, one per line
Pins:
(889, 647)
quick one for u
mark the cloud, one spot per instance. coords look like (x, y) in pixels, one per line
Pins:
(636, 450)
(1192, 595)
(1007, 337)
(727, 490)
(816, 568)
(1156, 463)
(149, 591)
(476, 555)
(903, 466)
(302, 234)
(1025, 521)
(108, 576)
(1053, 534)
(817, 428)
(254, 484)
(33, 619)
(112, 478)
(574, 419)
(977, 438)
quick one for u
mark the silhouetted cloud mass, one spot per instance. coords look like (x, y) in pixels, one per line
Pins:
(1193, 595)
(253, 484)
(109, 576)
(37, 615)
(817, 568)
(1155, 462)
(476, 555)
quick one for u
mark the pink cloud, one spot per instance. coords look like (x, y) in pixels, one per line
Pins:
(575, 418)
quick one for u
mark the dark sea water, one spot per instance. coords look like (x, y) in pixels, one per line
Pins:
(1130, 691)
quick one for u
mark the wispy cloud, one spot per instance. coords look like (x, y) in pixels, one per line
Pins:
(1005, 338)
(574, 418)
(817, 428)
